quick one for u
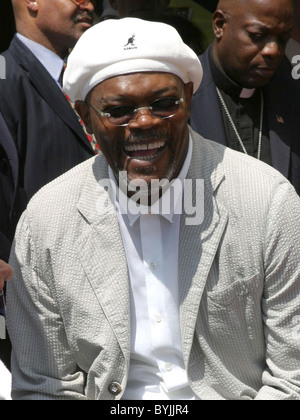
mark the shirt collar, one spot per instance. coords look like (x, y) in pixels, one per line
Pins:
(224, 83)
(175, 207)
(51, 61)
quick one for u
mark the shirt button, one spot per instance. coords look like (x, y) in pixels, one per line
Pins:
(158, 318)
(115, 388)
(169, 367)
(153, 265)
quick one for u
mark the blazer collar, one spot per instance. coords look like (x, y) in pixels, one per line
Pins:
(10, 150)
(212, 127)
(47, 87)
(51, 61)
(281, 112)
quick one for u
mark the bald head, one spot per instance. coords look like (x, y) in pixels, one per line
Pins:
(251, 37)
(223, 4)
(232, 4)
(241, 8)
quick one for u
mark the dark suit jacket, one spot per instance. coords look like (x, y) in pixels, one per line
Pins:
(9, 196)
(46, 131)
(282, 107)
(12, 203)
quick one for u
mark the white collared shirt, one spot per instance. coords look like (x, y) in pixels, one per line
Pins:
(5, 383)
(51, 61)
(151, 244)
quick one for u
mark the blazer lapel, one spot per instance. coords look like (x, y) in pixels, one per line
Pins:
(206, 100)
(279, 118)
(47, 87)
(10, 149)
(199, 244)
(102, 255)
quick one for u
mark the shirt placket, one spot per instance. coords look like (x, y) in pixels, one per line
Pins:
(162, 308)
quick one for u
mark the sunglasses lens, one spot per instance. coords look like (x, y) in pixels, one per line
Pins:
(163, 108)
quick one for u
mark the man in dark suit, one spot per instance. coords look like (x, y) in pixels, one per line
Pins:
(44, 127)
(12, 198)
(10, 208)
(248, 99)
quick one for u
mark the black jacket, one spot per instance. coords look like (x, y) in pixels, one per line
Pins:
(47, 134)
(282, 105)
(12, 201)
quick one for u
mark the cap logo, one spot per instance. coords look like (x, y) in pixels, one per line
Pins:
(130, 44)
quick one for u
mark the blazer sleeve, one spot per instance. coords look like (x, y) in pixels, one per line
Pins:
(280, 304)
(42, 372)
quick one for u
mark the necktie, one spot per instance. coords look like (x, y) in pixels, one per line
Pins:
(91, 138)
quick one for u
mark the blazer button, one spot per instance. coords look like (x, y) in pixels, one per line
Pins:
(115, 388)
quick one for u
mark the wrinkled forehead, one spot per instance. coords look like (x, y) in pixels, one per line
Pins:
(280, 11)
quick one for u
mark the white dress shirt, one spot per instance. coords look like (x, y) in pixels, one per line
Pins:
(51, 61)
(151, 244)
(5, 383)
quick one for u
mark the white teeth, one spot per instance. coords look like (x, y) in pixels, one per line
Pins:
(150, 146)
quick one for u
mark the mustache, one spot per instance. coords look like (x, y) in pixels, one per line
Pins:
(82, 15)
(146, 136)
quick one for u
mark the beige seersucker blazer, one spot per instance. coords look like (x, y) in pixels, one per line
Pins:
(239, 274)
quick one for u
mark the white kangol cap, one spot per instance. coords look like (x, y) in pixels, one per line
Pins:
(118, 47)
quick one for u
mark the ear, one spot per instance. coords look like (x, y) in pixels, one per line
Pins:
(188, 93)
(84, 111)
(32, 5)
(219, 21)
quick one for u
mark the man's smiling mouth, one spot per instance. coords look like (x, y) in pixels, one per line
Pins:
(145, 151)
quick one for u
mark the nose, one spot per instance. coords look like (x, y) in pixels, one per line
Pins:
(273, 50)
(144, 119)
(88, 6)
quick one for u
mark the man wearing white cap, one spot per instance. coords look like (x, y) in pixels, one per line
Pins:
(165, 268)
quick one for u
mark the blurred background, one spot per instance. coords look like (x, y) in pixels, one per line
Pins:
(199, 12)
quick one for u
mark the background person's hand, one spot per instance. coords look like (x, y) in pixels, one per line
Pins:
(6, 273)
